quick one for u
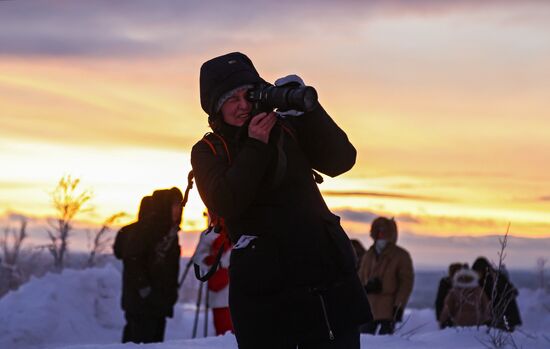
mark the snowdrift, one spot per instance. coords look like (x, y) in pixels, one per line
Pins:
(81, 309)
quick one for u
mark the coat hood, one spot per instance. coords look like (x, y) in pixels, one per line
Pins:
(145, 207)
(223, 74)
(162, 201)
(465, 278)
(384, 228)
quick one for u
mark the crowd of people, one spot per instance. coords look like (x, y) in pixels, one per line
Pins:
(282, 272)
(481, 295)
(150, 252)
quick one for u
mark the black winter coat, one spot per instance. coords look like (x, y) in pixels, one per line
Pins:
(297, 280)
(445, 285)
(146, 264)
(121, 241)
(505, 312)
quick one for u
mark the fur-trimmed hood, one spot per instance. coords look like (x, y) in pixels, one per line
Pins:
(465, 278)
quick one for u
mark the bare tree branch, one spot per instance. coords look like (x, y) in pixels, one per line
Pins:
(68, 201)
(100, 241)
(11, 250)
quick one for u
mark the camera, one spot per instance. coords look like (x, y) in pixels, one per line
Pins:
(266, 98)
(373, 286)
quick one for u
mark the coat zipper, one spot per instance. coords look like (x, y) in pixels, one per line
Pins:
(330, 334)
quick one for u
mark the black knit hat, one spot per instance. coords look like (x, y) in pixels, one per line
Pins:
(223, 74)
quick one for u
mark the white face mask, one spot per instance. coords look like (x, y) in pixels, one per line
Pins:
(380, 244)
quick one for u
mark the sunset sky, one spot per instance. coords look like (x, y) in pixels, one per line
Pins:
(447, 102)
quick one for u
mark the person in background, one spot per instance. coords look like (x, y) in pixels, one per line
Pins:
(387, 274)
(502, 293)
(213, 241)
(152, 257)
(445, 285)
(359, 249)
(466, 304)
(119, 249)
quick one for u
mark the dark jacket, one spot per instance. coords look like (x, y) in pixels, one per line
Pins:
(151, 260)
(120, 249)
(145, 210)
(445, 285)
(505, 312)
(282, 280)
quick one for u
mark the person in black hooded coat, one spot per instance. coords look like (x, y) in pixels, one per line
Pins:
(119, 250)
(292, 271)
(151, 260)
(505, 313)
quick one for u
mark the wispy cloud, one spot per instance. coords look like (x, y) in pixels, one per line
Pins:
(140, 27)
(365, 216)
(382, 195)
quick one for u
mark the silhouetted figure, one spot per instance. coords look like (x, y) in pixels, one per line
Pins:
(502, 293)
(119, 249)
(359, 249)
(445, 285)
(151, 261)
(388, 277)
(466, 304)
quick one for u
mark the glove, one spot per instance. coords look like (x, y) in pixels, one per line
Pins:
(289, 81)
(144, 292)
(397, 314)
(373, 286)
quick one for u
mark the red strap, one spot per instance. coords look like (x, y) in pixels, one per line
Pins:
(205, 140)
(213, 148)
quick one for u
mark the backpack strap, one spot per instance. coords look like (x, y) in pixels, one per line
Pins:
(218, 145)
(213, 267)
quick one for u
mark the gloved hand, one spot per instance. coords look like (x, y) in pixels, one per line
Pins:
(289, 81)
(144, 292)
(373, 286)
(397, 313)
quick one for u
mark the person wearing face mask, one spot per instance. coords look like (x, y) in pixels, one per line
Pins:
(387, 274)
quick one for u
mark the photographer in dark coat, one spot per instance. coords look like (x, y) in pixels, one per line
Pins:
(151, 265)
(292, 269)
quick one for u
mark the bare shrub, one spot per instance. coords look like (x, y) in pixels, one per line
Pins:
(100, 241)
(68, 201)
(496, 337)
(11, 250)
(11, 244)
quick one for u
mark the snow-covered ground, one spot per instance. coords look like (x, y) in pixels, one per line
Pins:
(80, 309)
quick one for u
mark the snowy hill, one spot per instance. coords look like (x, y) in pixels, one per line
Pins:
(80, 309)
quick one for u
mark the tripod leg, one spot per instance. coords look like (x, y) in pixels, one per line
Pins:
(199, 300)
(206, 310)
(184, 275)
